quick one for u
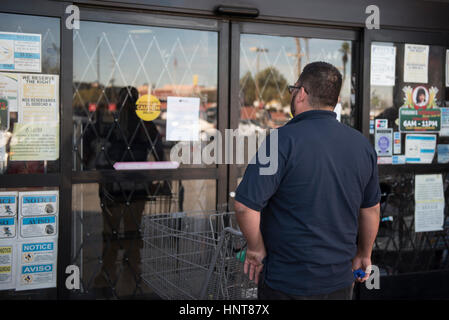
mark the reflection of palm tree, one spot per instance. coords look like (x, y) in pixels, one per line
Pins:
(345, 50)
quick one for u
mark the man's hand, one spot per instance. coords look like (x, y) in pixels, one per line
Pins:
(364, 263)
(253, 263)
(249, 223)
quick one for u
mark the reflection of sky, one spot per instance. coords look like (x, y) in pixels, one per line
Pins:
(135, 55)
(282, 54)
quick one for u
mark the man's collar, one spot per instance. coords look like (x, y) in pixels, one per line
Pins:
(313, 114)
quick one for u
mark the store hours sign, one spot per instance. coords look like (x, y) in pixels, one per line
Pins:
(420, 111)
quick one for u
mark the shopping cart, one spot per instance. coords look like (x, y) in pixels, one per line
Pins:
(196, 255)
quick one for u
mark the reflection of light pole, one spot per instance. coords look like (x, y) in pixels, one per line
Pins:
(258, 51)
(298, 55)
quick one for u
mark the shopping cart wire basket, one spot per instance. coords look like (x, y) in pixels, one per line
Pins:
(195, 255)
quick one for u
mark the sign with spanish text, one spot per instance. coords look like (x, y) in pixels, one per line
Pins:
(38, 98)
(416, 62)
(37, 264)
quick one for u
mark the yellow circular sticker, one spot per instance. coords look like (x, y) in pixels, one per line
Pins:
(148, 107)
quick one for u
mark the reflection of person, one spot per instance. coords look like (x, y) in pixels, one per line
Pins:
(131, 141)
(421, 97)
(301, 223)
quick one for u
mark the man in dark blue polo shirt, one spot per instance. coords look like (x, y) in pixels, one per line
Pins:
(313, 221)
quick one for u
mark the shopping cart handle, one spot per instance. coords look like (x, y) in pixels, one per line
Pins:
(233, 231)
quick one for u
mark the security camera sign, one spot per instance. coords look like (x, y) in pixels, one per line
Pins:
(7, 227)
(37, 264)
(8, 204)
(38, 203)
(42, 226)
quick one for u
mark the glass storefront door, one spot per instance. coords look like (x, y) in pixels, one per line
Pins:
(125, 79)
(271, 57)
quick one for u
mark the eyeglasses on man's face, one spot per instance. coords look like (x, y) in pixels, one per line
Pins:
(293, 88)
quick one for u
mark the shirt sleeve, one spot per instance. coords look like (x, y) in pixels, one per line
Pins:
(371, 194)
(262, 177)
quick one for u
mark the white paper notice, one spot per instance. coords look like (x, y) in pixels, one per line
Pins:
(20, 52)
(416, 60)
(383, 65)
(429, 203)
(420, 148)
(7, 265)
(183, 115)
(37, 264)
(38, 98)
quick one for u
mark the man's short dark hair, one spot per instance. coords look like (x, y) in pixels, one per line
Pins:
(322, 82)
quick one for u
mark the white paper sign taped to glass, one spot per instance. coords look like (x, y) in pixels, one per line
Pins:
(9, 90)
(36, 203)
(38, 98)
(383, 142)
(43, 226)
(383, 65)
(420, 148)
(429, 203)
(35, 142)
(7, 265)
(183, 119)
(20, 52)
(8, 204)
(416, 61)
(8, 227)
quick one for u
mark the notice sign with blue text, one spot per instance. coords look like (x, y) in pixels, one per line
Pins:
(41, 226)
(8, 215)
(36, 203)
(8, 204)
(38, 214)
(37, 264)
(20, 52)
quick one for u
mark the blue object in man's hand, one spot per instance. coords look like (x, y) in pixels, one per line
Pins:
(359, 273)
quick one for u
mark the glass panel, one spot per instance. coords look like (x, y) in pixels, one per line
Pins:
(14, 152)
(385, 101)
(109, 230)
(268, 64)
(398, 248)
(115, 65)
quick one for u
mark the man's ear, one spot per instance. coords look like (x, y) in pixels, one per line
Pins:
(301, 96)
